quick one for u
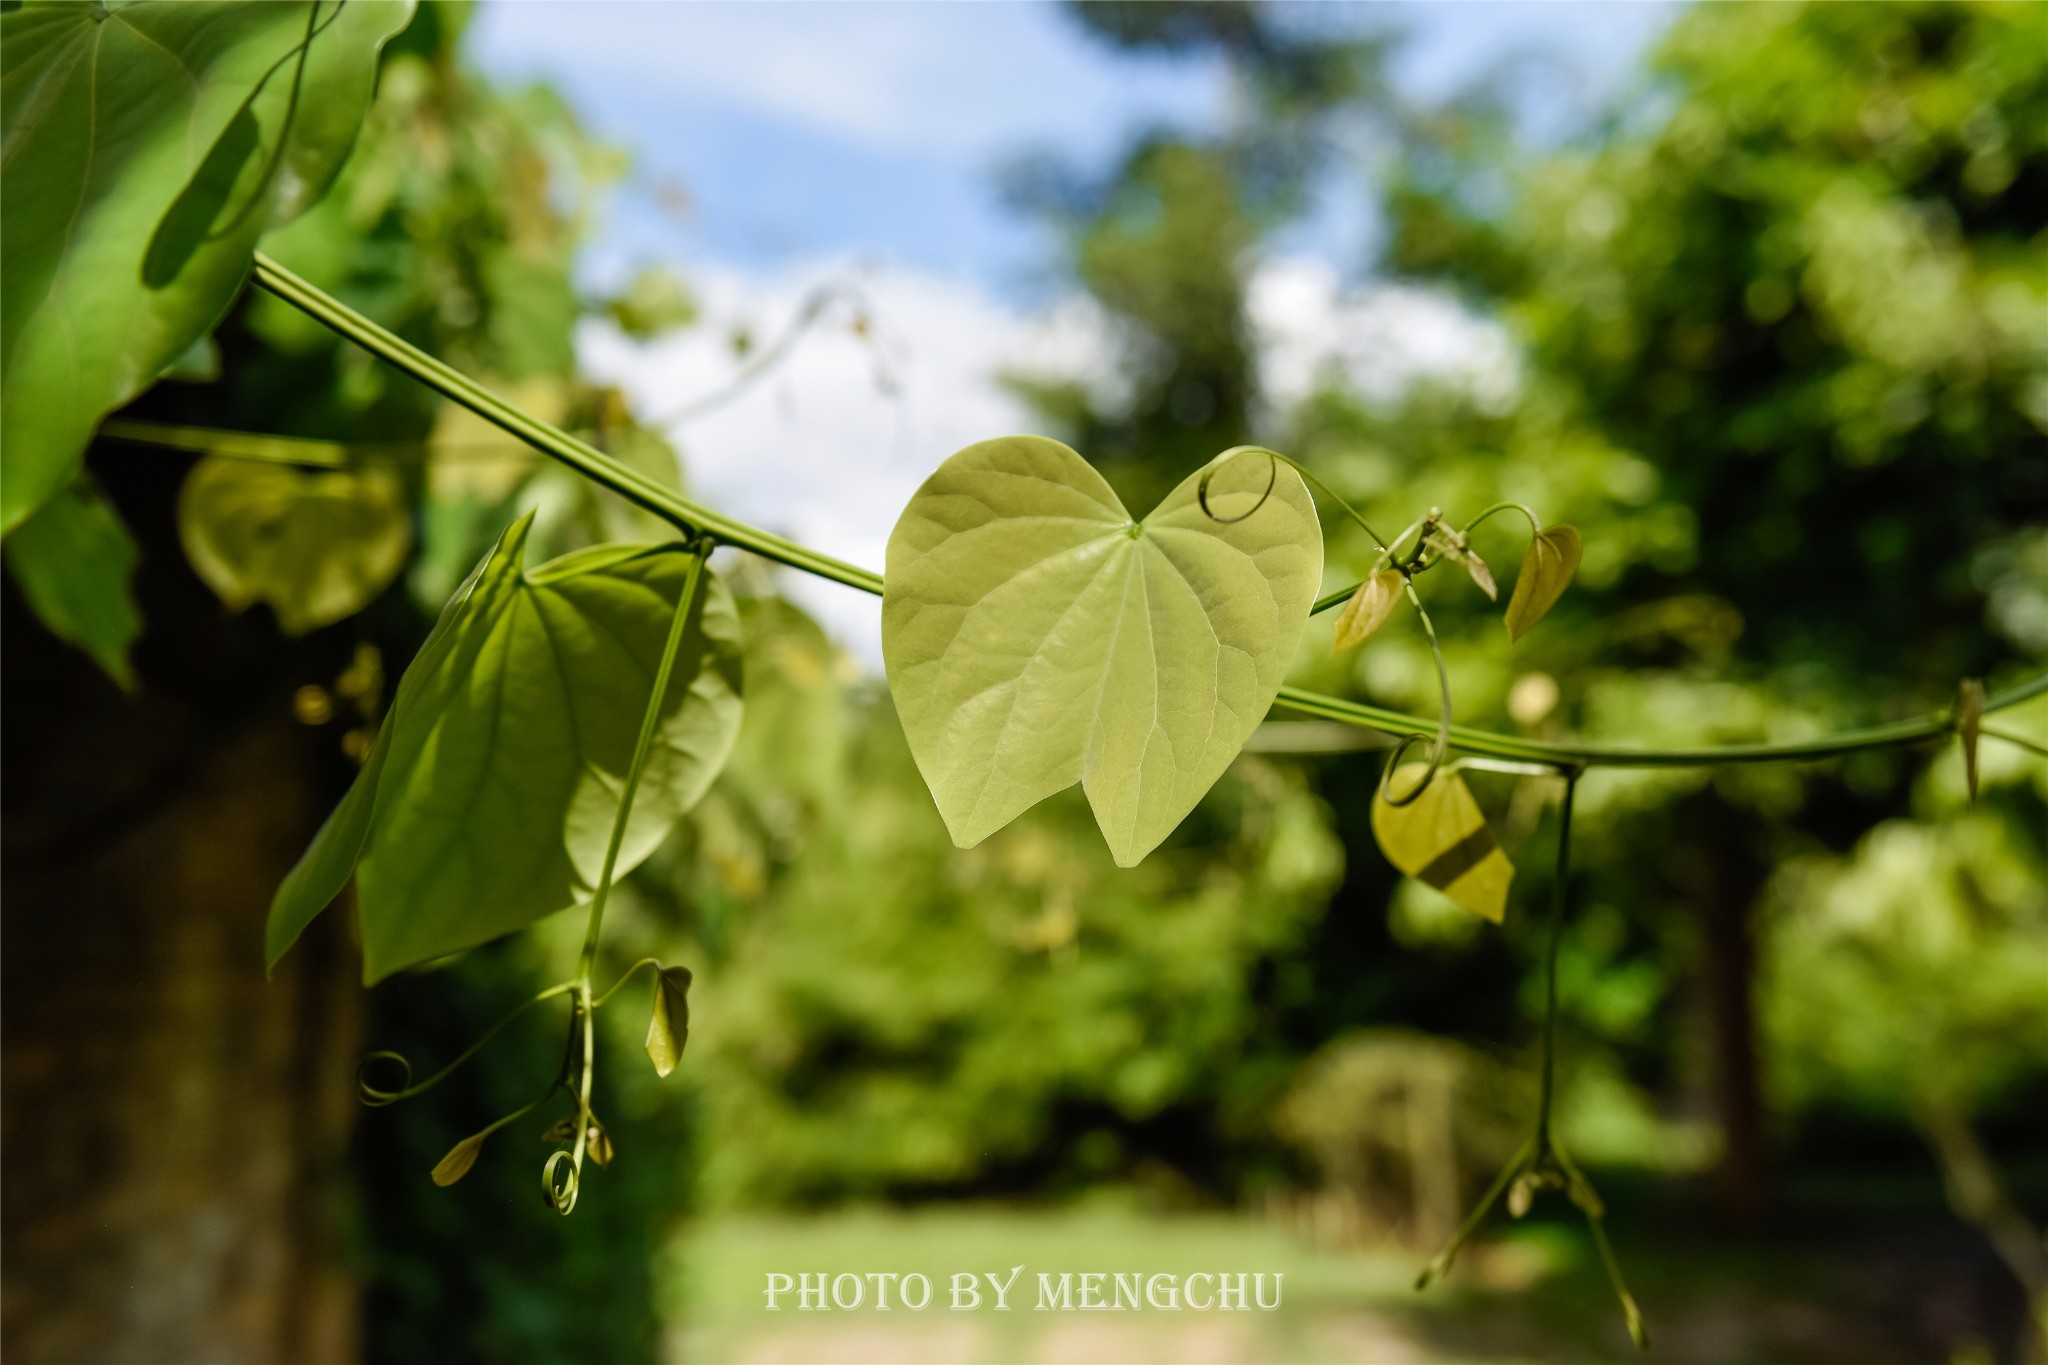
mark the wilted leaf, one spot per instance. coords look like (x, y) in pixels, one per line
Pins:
(1969, 726)
(669, 1029)
(1441, 838)
(489, 796)
(1547, 569)
(73, 560)
(460, 1158)
(142, 165)
(1036, 635)
(1368, 608)
(316, 547)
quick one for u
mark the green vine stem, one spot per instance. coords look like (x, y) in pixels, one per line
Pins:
(559, 1182)
(1542, 1163)
(690, 516)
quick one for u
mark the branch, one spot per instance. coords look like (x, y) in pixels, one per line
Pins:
(691, 516)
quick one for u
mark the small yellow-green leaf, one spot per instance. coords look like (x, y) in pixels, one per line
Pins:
(600, 1144)
(1368, 609)
(460, 1158)
(1441, 838)
(1969, 725)
(1547, 570)
(669, 1029)
(316, 547)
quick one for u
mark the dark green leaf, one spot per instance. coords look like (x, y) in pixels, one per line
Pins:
(147, 149)
(73, 560)
(669, 1029)
(1547, 569)
(488, 799)
(316, 547)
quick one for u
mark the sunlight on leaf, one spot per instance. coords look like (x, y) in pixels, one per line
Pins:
(1036, 635)
(488, 799)
(143, 163)
(1547, 569)
(1368, 609)
(1442, 839)
(669, 1028)
(314, 547)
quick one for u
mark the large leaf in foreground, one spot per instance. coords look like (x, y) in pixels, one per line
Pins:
(147, 148)
(1036, 635)
(488, 798)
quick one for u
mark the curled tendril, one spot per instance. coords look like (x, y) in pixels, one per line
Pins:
(1407, 742)
(559, 1181)
(1273, 459)
(374, 1097)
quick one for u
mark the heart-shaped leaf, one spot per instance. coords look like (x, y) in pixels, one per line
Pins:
(669, 1028)
(1547, 569)
(1368, 609)
(1442, 839)
(315, 546)
(148, 148)
(1037, 635)
(488, 798)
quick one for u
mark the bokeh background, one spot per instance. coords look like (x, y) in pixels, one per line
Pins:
(1756, 296)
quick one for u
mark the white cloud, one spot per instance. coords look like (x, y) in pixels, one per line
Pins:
(1375, 340)
(820, 452)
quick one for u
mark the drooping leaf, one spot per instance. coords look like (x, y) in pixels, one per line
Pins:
(73, 560)
(1442, 839)
(1547, 569)
(669, 1027)
(315, 546)
(460, 1158)
(1368, 609)
(488, 799)
(1036, 635)
(1969, 726)
(599, 1144)
(147, 148)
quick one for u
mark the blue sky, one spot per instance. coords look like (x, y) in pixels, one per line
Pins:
(804, 130)
(857, 143)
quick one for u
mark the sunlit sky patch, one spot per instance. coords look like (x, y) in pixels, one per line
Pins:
(861, 141)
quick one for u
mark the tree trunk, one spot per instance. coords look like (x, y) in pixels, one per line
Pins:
(1728, 881)
(174, 1125)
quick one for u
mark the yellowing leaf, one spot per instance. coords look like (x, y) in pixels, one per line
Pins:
(1547, 569)
(460, 1158)
(669, 1029)
(1037, 635)
(315, 547)
(1441, 838)
(1368, 609)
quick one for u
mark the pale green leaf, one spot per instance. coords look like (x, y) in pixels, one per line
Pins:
(489, 796)
(669, 1028)
(316, 547)
(1547, 569)
(147, 148)
(73, 561)
(1441, 838)
(1036, 635)
(1368, 608)
(460, 1158)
